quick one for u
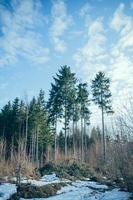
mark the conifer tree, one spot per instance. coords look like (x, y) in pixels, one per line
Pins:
(66, 80)
(44, 135)
(6, 125)
(83, 100)
(54, 111)
(102, 97)
(16, 120)
(38, 123)
(60, 102)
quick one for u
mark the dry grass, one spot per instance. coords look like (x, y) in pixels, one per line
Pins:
(8, 166)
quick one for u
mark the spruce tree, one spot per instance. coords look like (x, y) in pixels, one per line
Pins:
(67, 81)
(102, 97)
(54, 111)
(60, 102)
(45, 138)
(16, 120)
(83, 100)
(38, 125)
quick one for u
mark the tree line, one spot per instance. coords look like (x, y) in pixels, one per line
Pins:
(35, 124)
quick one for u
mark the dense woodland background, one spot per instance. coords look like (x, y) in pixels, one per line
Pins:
(30, 135)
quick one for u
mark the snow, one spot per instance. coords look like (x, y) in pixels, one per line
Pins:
(6, 190)
(87, 190)
(45, 180)
(91, 184)
(116, 194)
(40, 183)
(81, 184)
(78, 190)
(49, 178)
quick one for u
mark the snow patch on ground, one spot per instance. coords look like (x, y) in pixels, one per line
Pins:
(78, 190)
(116, 194)
(6, 190)
(87, 190)
(49, 178)
(45, 180)
(83, 185)
(92, 184)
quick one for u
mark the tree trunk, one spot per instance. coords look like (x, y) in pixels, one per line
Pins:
(48, 152)
(37, 133)
(19, 133)
(12, 149)
(55, 141)
(32, 147)
(74, 146)
(34, 144)
(4, 127)
(82, 141)
(26, 129)
(42, 162)
(85, 139)
(104, 143)
(65, 132)
(77, 140)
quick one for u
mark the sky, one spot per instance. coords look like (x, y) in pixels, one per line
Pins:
(39, 36)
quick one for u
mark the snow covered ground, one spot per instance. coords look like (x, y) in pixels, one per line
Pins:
(78, 190)
(88, 190)
(6, 190)
(45, 180)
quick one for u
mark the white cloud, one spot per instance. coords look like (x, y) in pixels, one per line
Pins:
(121, 22)
(131, 5)
(21, 37)
(85, 10)
(91, 57)
(99, 53)
(121, 55)
(115, 59)
(61, 21)
(93, 53)
(121, 77)
(118, 20)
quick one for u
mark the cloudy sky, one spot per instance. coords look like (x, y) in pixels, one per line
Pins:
(38, 36)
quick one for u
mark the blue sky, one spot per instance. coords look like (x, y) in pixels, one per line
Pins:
(38, 36)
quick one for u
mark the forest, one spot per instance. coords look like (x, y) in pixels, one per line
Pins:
(57, 130)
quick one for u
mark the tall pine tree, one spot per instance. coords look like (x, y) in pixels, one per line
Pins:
(102, 97)
(83, 100)
(61, 97)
